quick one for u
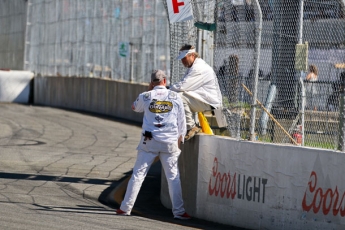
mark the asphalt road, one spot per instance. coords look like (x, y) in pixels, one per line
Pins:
(57, 167)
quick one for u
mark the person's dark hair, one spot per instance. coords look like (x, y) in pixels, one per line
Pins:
(313, 69)
(188, 47)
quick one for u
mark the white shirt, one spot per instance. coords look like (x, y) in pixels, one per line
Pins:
(200, 82)
(163, 114)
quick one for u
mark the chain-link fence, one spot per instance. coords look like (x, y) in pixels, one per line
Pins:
(12, 30)
(116, 39)
(186, 33)
(278, 64)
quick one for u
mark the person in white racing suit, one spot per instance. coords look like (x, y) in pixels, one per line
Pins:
(164, 128)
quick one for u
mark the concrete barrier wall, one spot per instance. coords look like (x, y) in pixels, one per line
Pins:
(246, 184)
(108, 97)
(262, 186)
(15, 86)
(188, 165)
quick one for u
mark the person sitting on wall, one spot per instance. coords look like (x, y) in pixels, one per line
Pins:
(198, 88)
(228, 76)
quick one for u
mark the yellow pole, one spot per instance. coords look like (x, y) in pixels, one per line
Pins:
(204, 124)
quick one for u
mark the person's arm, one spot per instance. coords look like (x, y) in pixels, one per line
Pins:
(138, 104)
(181, 121)
(179, 141)
(311, 76)
(189, 83)
(192, 81)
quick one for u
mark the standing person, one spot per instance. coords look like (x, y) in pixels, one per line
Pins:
(333, 99)
(198, 88)
(164, 127)
(313, 72)
(311, 77)
(229, 77)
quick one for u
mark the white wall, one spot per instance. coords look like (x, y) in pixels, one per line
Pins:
(263, 186)
(295, 188)
(15, 86)
(97, 95)
(287, 178)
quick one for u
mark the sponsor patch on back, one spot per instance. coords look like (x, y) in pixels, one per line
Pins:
(160, 106)
(172, 95)
(147, 96)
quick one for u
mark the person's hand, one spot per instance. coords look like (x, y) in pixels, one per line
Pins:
(179, 141)
(151, 86)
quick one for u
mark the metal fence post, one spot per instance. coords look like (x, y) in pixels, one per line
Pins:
(256, 74)
(341, 142)
(26, 62)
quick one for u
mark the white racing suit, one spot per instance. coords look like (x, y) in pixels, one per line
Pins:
(199, 90)
(164, 118)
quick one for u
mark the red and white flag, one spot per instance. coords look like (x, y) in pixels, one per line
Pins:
(179, 10)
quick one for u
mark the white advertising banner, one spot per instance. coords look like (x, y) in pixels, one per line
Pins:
(179, 10)
(15, 86)
(263, 186)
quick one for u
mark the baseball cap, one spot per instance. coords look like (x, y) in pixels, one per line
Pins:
(157, 76)
(183, 53)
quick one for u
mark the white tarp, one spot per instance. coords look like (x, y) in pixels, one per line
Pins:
(179, 10)
(15, 86)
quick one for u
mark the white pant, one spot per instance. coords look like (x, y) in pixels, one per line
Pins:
(168, 154)
(192, 105)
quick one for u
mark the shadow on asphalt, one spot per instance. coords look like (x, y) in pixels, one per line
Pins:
(148, 203)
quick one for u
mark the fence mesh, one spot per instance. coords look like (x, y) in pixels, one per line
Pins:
(12, 30)
(115, 39)
(263, 54)
(186, 33)
(280, 64)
